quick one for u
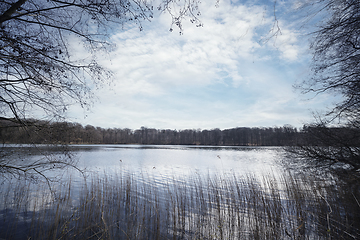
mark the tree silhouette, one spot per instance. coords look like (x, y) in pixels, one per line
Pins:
(38, 68)
(336, 70)
(336, 49)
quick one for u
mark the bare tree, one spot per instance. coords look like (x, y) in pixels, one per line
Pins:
(38, 71)
(336, 57)
(36, 67)
(333, 138)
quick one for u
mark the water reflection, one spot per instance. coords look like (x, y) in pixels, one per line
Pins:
(177, 192)
(160, 162)
(181, 160)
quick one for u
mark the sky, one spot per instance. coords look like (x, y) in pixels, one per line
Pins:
(231, 72)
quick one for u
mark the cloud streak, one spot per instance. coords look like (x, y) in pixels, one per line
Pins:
(221, 75)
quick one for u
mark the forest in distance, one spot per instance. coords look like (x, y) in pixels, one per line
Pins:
(43, 132)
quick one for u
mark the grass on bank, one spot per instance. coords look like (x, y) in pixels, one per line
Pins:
(199, 207)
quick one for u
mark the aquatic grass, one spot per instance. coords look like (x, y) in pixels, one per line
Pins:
(129, 205)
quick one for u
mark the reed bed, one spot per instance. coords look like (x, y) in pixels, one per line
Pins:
(129, 206)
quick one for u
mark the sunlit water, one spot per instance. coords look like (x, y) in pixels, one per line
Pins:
(179, 159)
(166, 162)
(164, 179)
(157, 165)
(160, 163)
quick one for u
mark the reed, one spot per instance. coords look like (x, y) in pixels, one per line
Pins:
(129, 206)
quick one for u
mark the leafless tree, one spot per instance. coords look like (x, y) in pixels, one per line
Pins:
(334, 137)
(38, 71)
(336, 57)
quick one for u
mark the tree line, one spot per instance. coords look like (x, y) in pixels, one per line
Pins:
(42, 132)
(39, 72)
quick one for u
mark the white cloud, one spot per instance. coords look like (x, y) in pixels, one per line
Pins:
(286, 42)
(156, 58)
(219, 75)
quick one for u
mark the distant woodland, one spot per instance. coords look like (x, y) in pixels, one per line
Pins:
(42, 132)
(75, 133)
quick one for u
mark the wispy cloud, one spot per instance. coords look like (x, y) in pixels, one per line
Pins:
(220, 75)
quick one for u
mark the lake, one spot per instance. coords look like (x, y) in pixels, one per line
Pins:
(175, 192)
(167, 161)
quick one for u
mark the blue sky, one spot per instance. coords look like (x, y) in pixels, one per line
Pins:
(226, 74)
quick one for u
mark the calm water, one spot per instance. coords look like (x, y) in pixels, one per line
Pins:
(167, 161)
(174, 189)
(164, 162)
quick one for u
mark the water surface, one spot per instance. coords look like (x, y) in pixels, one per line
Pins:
(180, 160)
